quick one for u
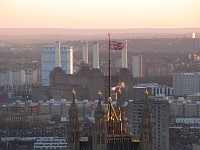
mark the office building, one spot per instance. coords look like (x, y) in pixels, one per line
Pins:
(176, 109)
(160, 121)
(138, 66)
(50, 143)
(196, 146)
(31, 76)
(185, 108)
(159, 70)
(186, 83)
(166, 69)
(155, 89)
(3, 77)
(16, 77)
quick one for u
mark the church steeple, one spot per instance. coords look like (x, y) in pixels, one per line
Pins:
(99, 127)
(146, 126)
(73, 128)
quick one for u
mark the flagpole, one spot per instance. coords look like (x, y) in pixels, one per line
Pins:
(109, 68)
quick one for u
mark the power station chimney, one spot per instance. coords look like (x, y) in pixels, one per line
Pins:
(57, 54)
(95, 55)
(85, 52)
(124, 56)
(71, 60)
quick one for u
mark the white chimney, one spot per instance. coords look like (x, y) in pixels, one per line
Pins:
(57, 54)
(71, 60)
(124, 56)
(85, 52)
(95, 55)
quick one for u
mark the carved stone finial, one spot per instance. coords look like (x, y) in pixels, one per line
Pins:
(99, 93)
(146, 92)
(74, 92)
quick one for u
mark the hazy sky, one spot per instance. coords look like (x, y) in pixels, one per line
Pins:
(99, 13)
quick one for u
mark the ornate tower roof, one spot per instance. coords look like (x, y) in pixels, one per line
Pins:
(99, 112)
(73, 110)
(99, 128)
(146, 110)
(73, 128)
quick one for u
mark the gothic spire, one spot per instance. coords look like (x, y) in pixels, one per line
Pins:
(99, 112)
(73, 127)
(73, 110)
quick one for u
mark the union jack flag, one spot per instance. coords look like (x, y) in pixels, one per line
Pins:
(116, 45)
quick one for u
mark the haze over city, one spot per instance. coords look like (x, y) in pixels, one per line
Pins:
(100, 74)
(104, 14)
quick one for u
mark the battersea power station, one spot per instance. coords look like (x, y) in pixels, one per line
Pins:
(58, 78)
(109, 130)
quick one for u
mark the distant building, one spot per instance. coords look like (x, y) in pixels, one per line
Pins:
(48, 54)
(20, 114)
(185, 108)
(194, 97)
(155, 89)
(31, 76)
(188, 120)
(138, 66)
(196, 146)
(5, 145)
(50, 143)
(176, 109)
(193, 35)
(194, 57)
(160, 121)
(166, 69)
(186, 83)
(191, 110)
(16, 77)
(118, 64)
(159, 70)
(62, 83)
(57, 108)
(3, 78)
(57, 81)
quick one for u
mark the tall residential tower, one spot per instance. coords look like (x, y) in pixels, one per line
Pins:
(55, 56)
(138, 66)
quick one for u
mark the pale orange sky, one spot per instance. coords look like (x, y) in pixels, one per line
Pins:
(99, 13)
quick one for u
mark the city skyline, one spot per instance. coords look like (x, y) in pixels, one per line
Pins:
(102, 14)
